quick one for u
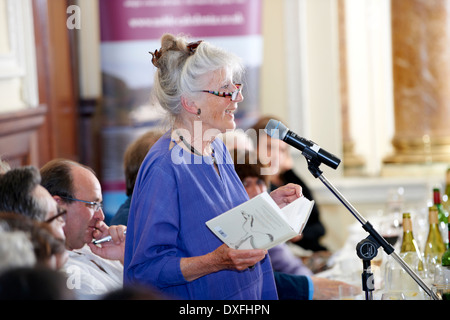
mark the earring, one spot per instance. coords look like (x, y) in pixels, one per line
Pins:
(199, 112)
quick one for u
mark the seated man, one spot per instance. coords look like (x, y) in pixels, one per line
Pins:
(21, 193)
(92, 270)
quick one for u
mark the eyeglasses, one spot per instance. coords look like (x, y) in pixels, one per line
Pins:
(90, 204)
(234, 95)
(59, 215)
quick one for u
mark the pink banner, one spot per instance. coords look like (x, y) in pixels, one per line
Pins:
(132, 28)
(149, 19)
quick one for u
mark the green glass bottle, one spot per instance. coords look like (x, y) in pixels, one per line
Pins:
(446, 255)
(434, 246)
(409, 244)
(442, 215)
(446, 195)
(446, 266)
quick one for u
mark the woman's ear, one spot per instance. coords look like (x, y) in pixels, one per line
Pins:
(189, 105)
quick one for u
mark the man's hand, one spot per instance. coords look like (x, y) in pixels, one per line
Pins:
(114, 249)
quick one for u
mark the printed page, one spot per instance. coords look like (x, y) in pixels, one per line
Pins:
(255, 224)
(297, 213)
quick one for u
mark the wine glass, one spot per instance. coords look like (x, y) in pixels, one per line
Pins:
(393, 295)
(398, 284)
(390, 230)
(441, 282)
(442, 291)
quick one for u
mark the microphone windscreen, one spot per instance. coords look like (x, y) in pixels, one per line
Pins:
(276, 129)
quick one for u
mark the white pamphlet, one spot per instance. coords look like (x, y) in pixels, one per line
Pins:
(260, 224)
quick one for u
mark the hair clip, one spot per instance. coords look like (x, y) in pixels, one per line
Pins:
(155, 57)
(193, 46)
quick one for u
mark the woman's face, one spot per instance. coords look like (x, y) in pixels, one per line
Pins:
(218, 112)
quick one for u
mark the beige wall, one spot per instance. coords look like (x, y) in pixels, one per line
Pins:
(18, 81)
(273, 82)
(89, 50)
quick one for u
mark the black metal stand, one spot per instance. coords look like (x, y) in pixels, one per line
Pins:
(367, 249)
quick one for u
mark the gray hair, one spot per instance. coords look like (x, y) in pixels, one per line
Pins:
(180, 70)
(16, 250)
(17, 192)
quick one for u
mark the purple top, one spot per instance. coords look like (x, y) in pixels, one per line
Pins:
(176, 192)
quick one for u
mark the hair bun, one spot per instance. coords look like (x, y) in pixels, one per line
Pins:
(170, 42)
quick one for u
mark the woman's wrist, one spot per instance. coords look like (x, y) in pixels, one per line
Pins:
(197, 267)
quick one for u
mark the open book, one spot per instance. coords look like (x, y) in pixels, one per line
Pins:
(260, 224)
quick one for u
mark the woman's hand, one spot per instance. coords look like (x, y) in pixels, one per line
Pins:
(223, 258)
(286, 194)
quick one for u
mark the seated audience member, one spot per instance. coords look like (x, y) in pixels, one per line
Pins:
(284, 263)
(282, 162)
(21, 192)
(16, 250)
(4, 166)
(135, 293)
(133, 157)
(92, 270)
(49, 251)
(34, 283)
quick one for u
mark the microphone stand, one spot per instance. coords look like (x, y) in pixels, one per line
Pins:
(366, 249)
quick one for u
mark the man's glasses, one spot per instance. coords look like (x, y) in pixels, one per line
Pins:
(234, 95)
(58, 216)
(96, 206)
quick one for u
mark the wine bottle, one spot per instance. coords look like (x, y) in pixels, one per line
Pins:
(442, 215)
(446, 195)
(409, 246)
(446, 255)
(446, 268)
(434, 246)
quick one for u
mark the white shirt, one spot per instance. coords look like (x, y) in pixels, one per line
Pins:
(91, 276)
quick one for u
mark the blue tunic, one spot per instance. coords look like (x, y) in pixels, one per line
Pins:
(175, 194)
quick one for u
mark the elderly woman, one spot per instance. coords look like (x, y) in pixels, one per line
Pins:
(188, 178)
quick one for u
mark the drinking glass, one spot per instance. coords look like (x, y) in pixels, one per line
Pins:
(397, 280)
(441, 282)
(441, 290)
(349, 293)
(393, 295)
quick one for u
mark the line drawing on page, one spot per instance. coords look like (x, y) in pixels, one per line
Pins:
(254, 236)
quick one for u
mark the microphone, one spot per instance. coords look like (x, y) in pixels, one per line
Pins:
(309, 149)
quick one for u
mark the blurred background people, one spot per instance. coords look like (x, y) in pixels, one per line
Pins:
(284, 262)
(16, 249)
(132, 160)
(34, 283)
(283, 163)
(49, 250)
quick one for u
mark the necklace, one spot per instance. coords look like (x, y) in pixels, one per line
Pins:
(194, 151)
